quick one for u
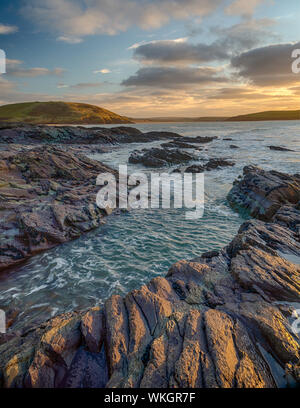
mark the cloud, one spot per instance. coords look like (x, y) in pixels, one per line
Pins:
(8, 29)
(15, 69)
(69, 40)
(60, 85)
(82, 85)
(230, 41)
(245, 35)
(267, 66)
(77, 19)
(102, 71)
(9, 93)
(245, 8)
(170, 77)
(172, 51)
(238, 93)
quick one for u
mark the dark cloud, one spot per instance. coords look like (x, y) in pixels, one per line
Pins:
(166, 52)
(230, 41)
(171, 77)
(268, 66)
(245, 35)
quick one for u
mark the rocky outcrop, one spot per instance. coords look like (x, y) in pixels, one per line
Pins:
(222, 320)
(157, 157)
(198, 139)
(212, 164)
(280, 149)
(262, 193)
(181, 145)
(47, 197)
(38, 134)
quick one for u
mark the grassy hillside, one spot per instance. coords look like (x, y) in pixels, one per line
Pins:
(58, 113)
(269, 115)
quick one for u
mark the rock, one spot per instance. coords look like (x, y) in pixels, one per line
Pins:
(280, 149)
(39, 134)
(47, 197)
(198, 139)
(262, 193)
(233, 147)
(156, 157)
(216, 163)
(178, 144)
(212, 164)
(222, 320)
(195, 168)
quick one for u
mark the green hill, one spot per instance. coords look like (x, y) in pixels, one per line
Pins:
(269, 115)
(58, 113)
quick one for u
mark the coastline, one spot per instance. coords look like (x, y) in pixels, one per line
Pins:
(223, 300)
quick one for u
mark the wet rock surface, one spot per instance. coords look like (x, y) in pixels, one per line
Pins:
(262, 193)
(47, 197)
(222, 320)
(157, 157)
(212, 164)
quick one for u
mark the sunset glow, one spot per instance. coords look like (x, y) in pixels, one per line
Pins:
(153, 58)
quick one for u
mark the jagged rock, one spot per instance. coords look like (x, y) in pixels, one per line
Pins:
(47, 197)
(262, 193)
(222, 320)
(198, 139)
(280, 149)
(178, 144)
(212, 164)
(157, 157)
(195, 168)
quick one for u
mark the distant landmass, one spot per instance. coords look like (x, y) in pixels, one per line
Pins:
(180, 119)
(59, 113)
(268, 115)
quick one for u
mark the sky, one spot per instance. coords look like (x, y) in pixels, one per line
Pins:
(146, 58)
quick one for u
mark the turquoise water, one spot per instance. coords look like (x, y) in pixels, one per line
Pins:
(134, 247)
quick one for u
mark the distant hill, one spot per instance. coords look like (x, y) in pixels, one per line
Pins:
(268, 115)
(59, 113)
(172, 119)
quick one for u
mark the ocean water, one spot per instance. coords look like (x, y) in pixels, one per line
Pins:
(133, 247)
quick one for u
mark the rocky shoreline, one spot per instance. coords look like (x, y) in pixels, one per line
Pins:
(47, 197)
(222, 320)
(48, 186)
(42, 134)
